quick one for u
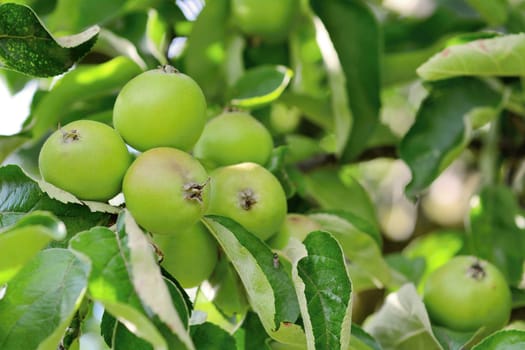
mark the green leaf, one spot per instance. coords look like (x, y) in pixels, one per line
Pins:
(110, 284)
(495, 12)
(503, 340)
(260, 86)
(81, 84)
(8, 144)
(359, 244)
(19, 195)
(269, 289)
(157, 34)
(493, 233)
(361, 340)
(324, 291)
(20, 242)
(26, 46)
(208, 336)
(255, 336)
(332, 192)
(148, 281)
(358, 48)
(413, 269)
(441, 130)
(41, 300)
(205, 54)
(452, 340)
(402, 322)
(500, 56)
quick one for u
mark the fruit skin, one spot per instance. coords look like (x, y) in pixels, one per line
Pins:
(166, 190)
(295, 225)
(250, 195)
(467, 293)
(189, 255)
(268, 19)
(234, 137)
(160, 108)
(86, 158)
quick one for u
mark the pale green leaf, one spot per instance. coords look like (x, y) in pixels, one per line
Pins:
(41, 300)
(20, 242)
(402, 323)
(501, 56)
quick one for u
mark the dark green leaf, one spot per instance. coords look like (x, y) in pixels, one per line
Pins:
(358, 47)
(503, 340)
(441, 129)
(500, 56)
(254, 335)
(41, 301)
(208, 336)
(269, 289)
(277, 166)
(361, 340)
(324, 291)
(260, 86)
(20, 195)
(26, 46)
(412, 269)
(493, 234)
(23, 240)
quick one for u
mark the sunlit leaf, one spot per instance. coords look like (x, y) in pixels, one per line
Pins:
(260, 86)
(500, 56)
(402, 323)
(23, 240)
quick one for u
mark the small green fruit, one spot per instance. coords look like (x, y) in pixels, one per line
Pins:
(160, 108)
(166, 190)
(86, 158)
(250, 195)
(466, 294)
(234, 137)
(189, 255)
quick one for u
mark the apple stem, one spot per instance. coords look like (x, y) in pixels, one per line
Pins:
(166, 68)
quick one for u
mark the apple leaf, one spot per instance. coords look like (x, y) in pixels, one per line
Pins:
(402, 323)
(359, 243)
(269, 288)
(260, 86)
(493, 233)
(441, 130)
(361, 340)
(326, 187)
(453, 340)
(79, 85)
(33, 232)
(324, 291)
(500, 56)
(41, 299)
(208, 336)
(206, 49)
(110, 283)
(19, 195)
(505, 339)
(148, 281)
(26, 45)
(358, 48)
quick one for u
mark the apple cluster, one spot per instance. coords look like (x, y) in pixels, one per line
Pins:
(162, 114)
